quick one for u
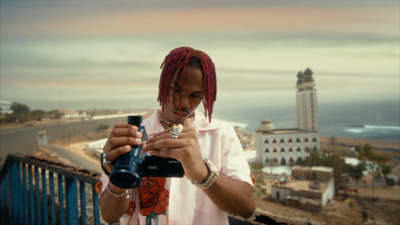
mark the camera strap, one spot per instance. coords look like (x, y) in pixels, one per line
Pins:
(103, 161)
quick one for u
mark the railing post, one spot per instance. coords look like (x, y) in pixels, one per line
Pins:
(25, 194)
(72, 200)
(96, 213)
(83, 202)
(19, 191)
(1, 202)
(16, 199)
(31, 202)
(61, 199)
(52, 196)
(8, 199)
(4, 201)
(38, 197)
(44, 193)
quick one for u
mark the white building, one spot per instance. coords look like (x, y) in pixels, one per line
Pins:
(71, 114)
(286, 146)
(5, 107)
(307, 188)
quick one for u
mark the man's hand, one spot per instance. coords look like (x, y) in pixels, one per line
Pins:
(120, 140)
(229, 195)
(185, 148)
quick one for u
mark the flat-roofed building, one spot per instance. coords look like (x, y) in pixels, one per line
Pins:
(307, 188)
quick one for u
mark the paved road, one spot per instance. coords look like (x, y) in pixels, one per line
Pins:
(75, 159)
(25, 140)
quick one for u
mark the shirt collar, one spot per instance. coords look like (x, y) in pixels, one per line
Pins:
(200, 123)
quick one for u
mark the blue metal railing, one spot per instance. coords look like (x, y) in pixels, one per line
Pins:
(37, 191)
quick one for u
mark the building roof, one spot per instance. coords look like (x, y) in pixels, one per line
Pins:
(266, 126)
(322, 168)
(300, 168)
(288, 131)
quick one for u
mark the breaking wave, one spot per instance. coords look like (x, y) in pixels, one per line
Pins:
(381, 132)
(366, 128)
(382, 127)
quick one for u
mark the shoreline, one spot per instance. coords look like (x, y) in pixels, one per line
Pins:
(356, 142)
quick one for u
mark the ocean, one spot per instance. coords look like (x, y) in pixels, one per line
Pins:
(373, 120)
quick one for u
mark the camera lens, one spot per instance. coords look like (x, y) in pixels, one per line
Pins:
(125, 179)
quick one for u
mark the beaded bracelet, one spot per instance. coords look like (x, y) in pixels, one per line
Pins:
(115, 194)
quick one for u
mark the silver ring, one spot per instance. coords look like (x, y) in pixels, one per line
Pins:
(175, 135)
(176, 130)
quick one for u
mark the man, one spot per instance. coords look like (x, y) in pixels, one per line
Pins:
(217, 176)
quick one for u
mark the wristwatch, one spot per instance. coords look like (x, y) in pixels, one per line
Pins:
(211, 178)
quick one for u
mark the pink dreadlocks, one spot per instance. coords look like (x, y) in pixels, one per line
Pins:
(180, 59)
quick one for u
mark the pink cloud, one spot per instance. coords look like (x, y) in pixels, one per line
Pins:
(184, 20)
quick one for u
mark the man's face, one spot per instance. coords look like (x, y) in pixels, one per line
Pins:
(191, 94)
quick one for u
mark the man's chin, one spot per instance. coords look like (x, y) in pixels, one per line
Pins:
(179, 118)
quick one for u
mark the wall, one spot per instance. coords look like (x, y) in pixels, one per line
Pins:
(285, 147)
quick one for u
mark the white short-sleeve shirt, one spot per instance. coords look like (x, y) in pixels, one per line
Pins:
(187, 203)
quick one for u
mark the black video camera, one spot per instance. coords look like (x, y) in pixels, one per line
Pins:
(128, 170)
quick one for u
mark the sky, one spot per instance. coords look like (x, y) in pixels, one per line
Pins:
(107, 54)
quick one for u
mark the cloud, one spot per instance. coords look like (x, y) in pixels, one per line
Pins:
(77, 19)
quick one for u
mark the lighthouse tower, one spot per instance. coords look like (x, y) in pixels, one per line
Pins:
(307, 114)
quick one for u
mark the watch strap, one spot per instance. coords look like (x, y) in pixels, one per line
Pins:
(211, 178)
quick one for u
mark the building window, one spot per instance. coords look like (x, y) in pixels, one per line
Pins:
(275, 150)
(274, 141)
(290, 149)
(267, 160)
(282, 149)
(266, 150)
(314, 139)
(282, 141)
(266, 141)
(305, 139)
(290, 140)
(283, 161)
(298, 140)
(298, 149)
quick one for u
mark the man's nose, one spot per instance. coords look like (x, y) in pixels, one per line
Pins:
(184, 101)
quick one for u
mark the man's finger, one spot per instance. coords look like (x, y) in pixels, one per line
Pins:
(188, 122)
(162, 133)
(116, 142)
(126, 132)
(125, 125)
(166, 153)
(162, 143)
(114, 154)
